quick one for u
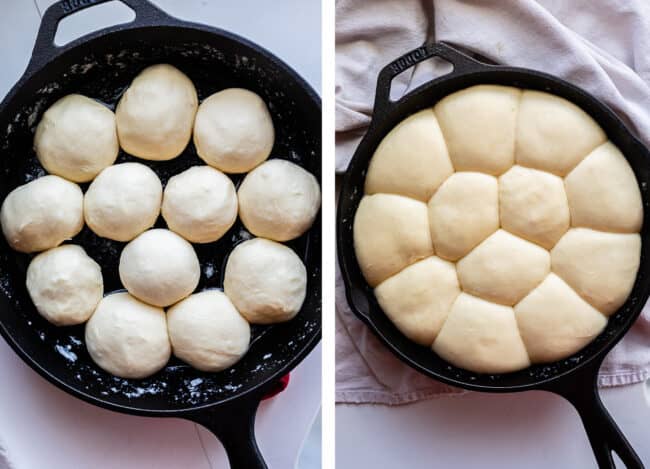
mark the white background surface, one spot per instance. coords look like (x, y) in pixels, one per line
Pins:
(42, 427)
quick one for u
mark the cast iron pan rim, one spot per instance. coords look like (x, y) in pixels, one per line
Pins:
(169, 23)
(486, 71)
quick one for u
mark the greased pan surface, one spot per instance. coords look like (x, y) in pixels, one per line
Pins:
(577, 372)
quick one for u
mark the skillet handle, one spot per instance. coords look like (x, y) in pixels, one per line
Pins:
(44, 48)
(581, 390)
(234, 424)
(461, 62)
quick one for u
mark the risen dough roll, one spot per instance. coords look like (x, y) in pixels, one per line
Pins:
(600, 266)
(278, 200)
(479, 127)
(603, 192)
(233, 130)
(76, 138)
(555, 322)
(265, 280)
(412, 160)
(200, 204)
(42, 214)
(482, 337)
(128, 338)
(207, 331)
(159, 267)
(123, 201)
(554, 134)
(156, 113)
(462, 213)
(65, 285)
(533, 205)
(390, 233)
(503, 268)
(418, 298)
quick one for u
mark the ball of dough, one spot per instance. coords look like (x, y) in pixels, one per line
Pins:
(603, 192)
(200, 204)
(156, 113)
(42, 214)
(266, 281)
(123, 201)
(533, 205)
(601, 267)
(462, 213)
(76, 138)
(278, 200)
(207, 331)
(412, 160)
(479, 127)
(418, 298)
(390, 232)
(128, 338)
(504, 268)
(554, 134)
(482, 337)
(65, 285)
(159, 267)
(555, 322)
(233, 130)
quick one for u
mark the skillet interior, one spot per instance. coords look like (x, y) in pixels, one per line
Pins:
(360, 295)
(101, 68)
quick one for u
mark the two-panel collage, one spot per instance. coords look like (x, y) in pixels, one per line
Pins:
(324, 234)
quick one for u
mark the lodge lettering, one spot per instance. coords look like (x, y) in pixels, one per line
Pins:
(71, 5)
(407, 61)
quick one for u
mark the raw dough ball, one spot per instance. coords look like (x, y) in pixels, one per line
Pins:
(603, 192)
(123, 201)
(200, 204)
(555, 322)
(278, 200)
(533, 205)
(482, 337)
(76, 138)
(390, 233)
(412, 160)
(156, 113)
(462, 213)
(65, 284)
(207, 331)
(600, 266)
(42, 214)
(159, 267)
(233, 130)
(554, 134)
(479, 127)
(418, 298)
(128, 338)
(266, 281)
(504, 268)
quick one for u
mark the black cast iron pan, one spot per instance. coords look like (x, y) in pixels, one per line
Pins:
(100, 65)
(573, 378)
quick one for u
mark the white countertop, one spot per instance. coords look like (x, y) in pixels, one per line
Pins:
(42, 427)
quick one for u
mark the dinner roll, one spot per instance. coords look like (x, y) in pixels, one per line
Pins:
(156, 113)
(278, 200)
(123, 201)
(207, 331)
(42, 214)
(265, 280)
(76, 138)
(200, 204)
(159, 267)
(233, 130)
(65, 284)
(128, 338)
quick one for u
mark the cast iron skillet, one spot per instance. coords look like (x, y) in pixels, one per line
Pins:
(101, 65)
(573, 378)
